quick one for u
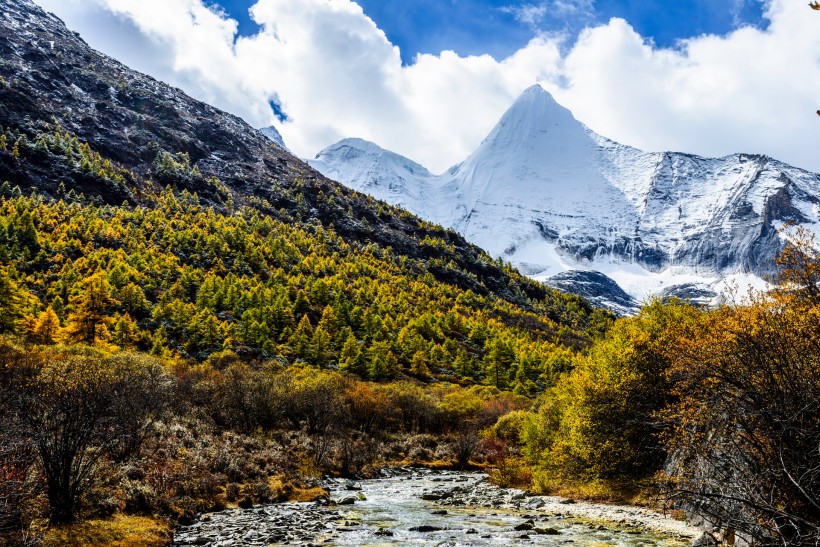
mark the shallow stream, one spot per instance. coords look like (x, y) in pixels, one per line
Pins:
(459, 509)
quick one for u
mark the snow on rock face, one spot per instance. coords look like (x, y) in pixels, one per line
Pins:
(273, 134)
(549, 195)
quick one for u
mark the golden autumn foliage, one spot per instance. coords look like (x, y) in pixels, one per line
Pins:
(599, 420)
(745, 449)
(184, 280)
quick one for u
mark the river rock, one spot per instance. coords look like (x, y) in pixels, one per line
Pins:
(705, 540)
(536, 503)
(426, 528)
(350, 485)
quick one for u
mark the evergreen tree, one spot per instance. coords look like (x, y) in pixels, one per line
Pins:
(418, 365)
(383, 363)
(498, 359)
(320, 347)
(89, 320)
(126, 332)
(11, 302)
(301, 338)
(351, 358)
(47, 327)
(133, 300)
(159, 341)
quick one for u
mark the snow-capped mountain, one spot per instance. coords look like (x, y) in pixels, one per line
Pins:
(546, 193)
(273, 135)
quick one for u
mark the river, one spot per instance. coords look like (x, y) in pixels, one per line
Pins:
(419, 507)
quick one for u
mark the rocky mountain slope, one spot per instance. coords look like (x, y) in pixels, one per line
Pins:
(136, 135)
(548, 194)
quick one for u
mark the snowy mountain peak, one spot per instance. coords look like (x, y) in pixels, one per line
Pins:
(273, 135)
(549, 195)
(366, 167)
(535, 115)
(365, 153)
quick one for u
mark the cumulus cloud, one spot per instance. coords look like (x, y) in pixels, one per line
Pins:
(335, 74)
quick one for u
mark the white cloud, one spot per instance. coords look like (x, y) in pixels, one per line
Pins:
(337, 75)
(529, 14)
(535, 15)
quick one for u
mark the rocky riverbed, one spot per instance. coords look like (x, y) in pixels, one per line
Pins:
(420, 507)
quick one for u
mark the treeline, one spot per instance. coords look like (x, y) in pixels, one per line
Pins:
(718, 410)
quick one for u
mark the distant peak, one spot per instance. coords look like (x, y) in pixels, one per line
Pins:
(363, 149)
(537, 95)
(355, 143)
(536, 117)
(535, 89)
(274, 136)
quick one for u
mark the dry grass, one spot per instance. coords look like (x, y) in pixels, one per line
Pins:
(284, 490)
(601, 491)
(308, 494)
(117, 531)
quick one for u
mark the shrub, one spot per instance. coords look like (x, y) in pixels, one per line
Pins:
(78, 409)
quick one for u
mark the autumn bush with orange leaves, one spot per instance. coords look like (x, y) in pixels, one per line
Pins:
(745, 439)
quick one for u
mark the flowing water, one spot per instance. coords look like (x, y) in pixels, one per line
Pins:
(391, 511)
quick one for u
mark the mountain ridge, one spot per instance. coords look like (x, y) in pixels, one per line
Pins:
(548, 194)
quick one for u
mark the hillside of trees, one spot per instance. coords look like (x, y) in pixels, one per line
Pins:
(169, 358)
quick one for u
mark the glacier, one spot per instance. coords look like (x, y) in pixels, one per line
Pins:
(557, 200)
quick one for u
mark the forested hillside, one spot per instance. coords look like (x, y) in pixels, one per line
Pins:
(135, 135)
(181, 279)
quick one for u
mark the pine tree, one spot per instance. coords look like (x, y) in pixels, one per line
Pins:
(328, 322)
(301, 338)
(47, 327)
(158, 342)
(126, 332)
(133, 300)
(351, 358)
(11, 302)
(89, 320)
(498, 360)
(463, 365)
(320, 347)
(418, 365)
(383, 364)
(206, 332)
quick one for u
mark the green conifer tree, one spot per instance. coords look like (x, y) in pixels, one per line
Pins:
(88, 322)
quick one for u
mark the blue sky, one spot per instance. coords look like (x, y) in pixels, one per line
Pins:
(474, 27)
